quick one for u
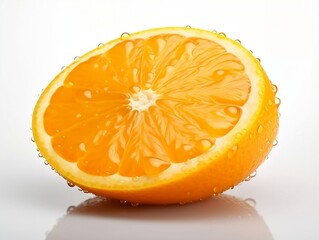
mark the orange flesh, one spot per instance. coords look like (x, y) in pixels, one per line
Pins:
(145, 104)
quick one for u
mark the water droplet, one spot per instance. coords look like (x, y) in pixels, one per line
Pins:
(275, 143)
(38, 150)
(85, 191)
(82, 147)
(70, 184)
(206, 144)
(277, 102)
(87, 94)
(63, 67)
(253, 174)
(70, 209)
(232, 187)
(32, 139)
(232, 152)
(135, 89)
(125, 35)
(274, 88)
(46, 162)
(221, 34)
(182, 203)
(251, 51)
(40, 155)
(220, 72)
(135, 179)
(148, 85)
(251, 202)
(237, 40)
(188, 26)
(80, 189)
(76, 58)
(260, 129)
(233, 111)
(134, 204)
(258, 59)
(187, 147)
(100, 45)
(216, 190)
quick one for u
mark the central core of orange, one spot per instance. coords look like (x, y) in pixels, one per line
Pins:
(145, 104)
(141, 100)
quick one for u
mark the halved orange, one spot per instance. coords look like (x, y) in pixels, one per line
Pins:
(161, 116)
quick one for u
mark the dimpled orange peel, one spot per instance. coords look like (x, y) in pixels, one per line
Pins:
(166, 115)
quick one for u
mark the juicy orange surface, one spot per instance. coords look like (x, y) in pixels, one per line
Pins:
(146, 105)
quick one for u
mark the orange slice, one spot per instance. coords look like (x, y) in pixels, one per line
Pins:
(160, 116)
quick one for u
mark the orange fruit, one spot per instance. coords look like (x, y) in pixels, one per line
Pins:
(161, 116)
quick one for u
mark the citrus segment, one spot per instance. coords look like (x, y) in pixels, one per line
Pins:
(146, 105)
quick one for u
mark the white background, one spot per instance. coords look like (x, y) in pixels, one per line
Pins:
(38, 37)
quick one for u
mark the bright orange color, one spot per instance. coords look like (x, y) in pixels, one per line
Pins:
(161, 116)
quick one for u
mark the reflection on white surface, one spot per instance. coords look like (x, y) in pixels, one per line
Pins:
(223, 217)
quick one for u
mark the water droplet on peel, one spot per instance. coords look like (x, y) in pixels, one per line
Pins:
(38, 150)
(188, 26)
(135, 179)
(251, 51)
(274, 88)
(100, 45)
(123, 201)
(85, 191)
(70, 184)
(216, 190)
(32, 139)
(221, 34)
(40, 155)
(251, 202)
(76, 58)
(275, 143)
(125, 35)
(237, 40)
(70, 209)
(253, 174)
(277, 101)
(46, 163)
(260, 129)
(63, 67)
(134, 204)
(232, 152)
(182, 203)
(258, 59)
